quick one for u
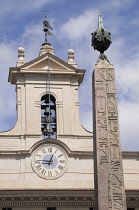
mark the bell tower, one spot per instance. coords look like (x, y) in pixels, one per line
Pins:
(48, 150)
(47, 96)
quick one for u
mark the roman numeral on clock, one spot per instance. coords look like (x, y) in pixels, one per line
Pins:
(37, 161)
(38, 167)
(49, 149)
(38, 156)
(43, 150)
(43, 172)
(62, 161)
(60, 155)
(49, 174)
(56, 172)
(60, 167)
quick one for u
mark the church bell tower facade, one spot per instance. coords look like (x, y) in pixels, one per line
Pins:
(47, 157)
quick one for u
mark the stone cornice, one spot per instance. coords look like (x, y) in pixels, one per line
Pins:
(88, 153)
(63, 197)
(128, 154)
(27, 152)
(46, 198)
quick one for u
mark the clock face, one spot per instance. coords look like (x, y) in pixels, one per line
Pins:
(50, 161)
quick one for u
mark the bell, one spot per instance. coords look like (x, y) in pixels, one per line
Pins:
(49, 129)
(47, 111)
(43, 119)
(44, 131)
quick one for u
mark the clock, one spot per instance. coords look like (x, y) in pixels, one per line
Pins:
(49, 161)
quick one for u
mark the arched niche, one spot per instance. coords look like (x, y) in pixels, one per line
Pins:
(48, 116)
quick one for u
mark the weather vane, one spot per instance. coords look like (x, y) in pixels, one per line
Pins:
(46, 27)
(101, 39)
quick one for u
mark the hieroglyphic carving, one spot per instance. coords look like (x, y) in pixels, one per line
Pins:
(113, 131)
(116, 184)
(101, 132)
(110, 86)
(102, 128)
(106, 129)
(110, 75)
(112, 106)
(117, 191)
(115, 164)
(101, 120)
(114, 154)
(100, 89)
(101, 104)
(100, 74)
(110, 81)
(103, 153)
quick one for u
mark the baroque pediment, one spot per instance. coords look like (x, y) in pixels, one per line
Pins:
(41, 65)
(48, 61)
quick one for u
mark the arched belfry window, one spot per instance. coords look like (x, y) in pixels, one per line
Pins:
(48, 116)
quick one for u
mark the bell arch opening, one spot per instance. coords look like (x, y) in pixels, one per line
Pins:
(48, 116)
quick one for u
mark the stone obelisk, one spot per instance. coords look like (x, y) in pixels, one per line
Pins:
(108, 170)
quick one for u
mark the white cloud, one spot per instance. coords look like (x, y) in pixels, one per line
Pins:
(78, 28)
(7, 93)
(31, 40)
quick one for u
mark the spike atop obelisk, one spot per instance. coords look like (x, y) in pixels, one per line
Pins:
(100, 21)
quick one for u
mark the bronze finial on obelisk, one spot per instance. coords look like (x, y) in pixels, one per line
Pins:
(101, 39)
(108, 170)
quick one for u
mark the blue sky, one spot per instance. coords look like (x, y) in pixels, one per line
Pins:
(73, 22)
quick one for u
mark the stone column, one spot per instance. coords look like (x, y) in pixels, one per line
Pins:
(108, 171)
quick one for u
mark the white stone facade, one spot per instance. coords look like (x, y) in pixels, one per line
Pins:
(19, 144)
(20, 187)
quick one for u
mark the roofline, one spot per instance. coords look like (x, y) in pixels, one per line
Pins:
(51, 56)
(134, 154)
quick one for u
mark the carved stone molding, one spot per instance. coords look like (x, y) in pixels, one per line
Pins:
(46, 198)
(57, 198)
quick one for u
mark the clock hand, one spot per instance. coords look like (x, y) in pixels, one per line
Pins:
(48, 163)
(51, 158)
(44, 161)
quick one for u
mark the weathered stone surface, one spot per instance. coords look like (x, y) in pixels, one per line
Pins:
(109, 181)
